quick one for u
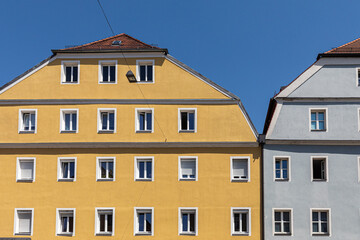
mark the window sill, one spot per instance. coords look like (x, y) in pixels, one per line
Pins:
(318, 130)
(138, 81)
(282, 234)
(25, 180)
(68, 131)
(66, 180)
(108, 82)
(281, 180)
(143, 234)
(104, 234)
(105, 179)
(240, 234)
(240, 180)
(186, 131)
(106, 131)
(65, 234)
(319, 180)
(24, 131)
(23, 234)
(143, 179)
(320, 234)
(188, 233)
(188, 179)
(69, 83)
(144, 131)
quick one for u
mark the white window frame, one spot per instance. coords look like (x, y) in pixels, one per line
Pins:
(62, 120)
(188, 209)
(326, 122)
(326, 170)
(357, 76)
(16, 221)
(107, 63)
(18, 170)
(290, 210)
(136, 170)
(99, 120)
(65, 64)
(137, 119)
(232, 179)
(358, 162)
(98, 168)
(136, 226)
(358, 114)
(288, 158)
(59, 169)
(180, 110)
(21, 123)
(328, 221)
(98, 210)
(241, 210)
(59, 212)
(188, 158)
(144, 61)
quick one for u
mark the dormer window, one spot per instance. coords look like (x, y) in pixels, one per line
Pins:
(107, 71)
(145, 70)
(70, 73)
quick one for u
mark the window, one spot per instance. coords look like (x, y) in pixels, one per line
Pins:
(106, 120)
(70, 72)
(144, 120)
(187, 120)
(319, 168)
(27, 120)
(320, 219)
(104, 221)
(105, 169)
(240, 221)
(108, 71)
(282, 222)
(240, 169)
(188, 221)
(144, 219)
(68, 120)
(23, 221)
(282, 168)
(188, 168)
(25, 170)
(145, 70)
(65, 224)
(358, 76)
(66, 169)
(318, 120)
(144, 168)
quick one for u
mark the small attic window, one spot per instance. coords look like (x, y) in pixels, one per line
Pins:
(116, 43)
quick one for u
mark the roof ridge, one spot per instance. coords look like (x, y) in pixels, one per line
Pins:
(97, 41)
(343, 45)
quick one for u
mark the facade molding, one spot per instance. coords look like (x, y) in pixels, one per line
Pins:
(312, 142)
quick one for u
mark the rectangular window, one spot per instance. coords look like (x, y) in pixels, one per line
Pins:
(282, 222)
(105, 169)
(27, 120)
(144, 120)
(144, 168)
(240, 169)
(358, 76)
(25, 170)
(69, 120)
(107, 120)
(23, 221)
(188, 168)
(281, 169)
(240, 221)
(319, 169)
(105, 221)
(318, 120)
(145, 70)
(108, 71)
(144, 219)
(320, 222)
(70, 72)
(188, 221)
(66, 169)
(65, 221)
(187, 120)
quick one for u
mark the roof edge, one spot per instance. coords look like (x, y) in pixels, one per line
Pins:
(55, 51)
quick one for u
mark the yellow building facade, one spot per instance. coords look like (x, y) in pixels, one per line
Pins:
(89, 153)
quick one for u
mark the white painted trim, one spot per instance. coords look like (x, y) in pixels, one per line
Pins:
(187, 158)
(20, 126)
(18, 159)
(58, 221)
(326, 165)
(63, 77)
(62, 120)
(247, 158)
(107, 63)
(141, 210)
(179, 119)
(291, 221)
(97, 220)
(66, 159)
(188, 209)
(137, 120)
(98, 172)
(16, 218)
(136, 173)
(240, 209)
(326, 119)
(146, 61)
(289, 168)
(358, 161)
(358, 117)
(329, 221)
(274, 119)
(99, 110)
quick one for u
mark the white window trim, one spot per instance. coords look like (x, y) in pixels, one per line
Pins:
(291, 221)
(107, 63)
(329, 222)
(98, 170)
(143, 209)
(63, 77)
(62, 120)
(231, 169)
(195, 209)
(136, 158)
(326, 165)
(196, 166)
(137, 125)
(20, 126)
(66, 159)
(356, 76)
(358, 161)
(99, 130)
(245, 209)
(16, 221)
(326, 119)
(18, 159)
(58, 222)
(97, 221)
(289, 168)
(358, 115)
(138, 63)
(179, 120)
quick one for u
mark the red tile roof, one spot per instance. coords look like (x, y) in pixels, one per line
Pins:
(351, 47)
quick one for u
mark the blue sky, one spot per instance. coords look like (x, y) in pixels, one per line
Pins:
(251, 48)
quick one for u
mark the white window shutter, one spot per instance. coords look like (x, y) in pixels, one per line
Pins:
(240, 170)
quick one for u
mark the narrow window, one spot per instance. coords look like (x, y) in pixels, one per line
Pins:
(188, 168)
(282, 169)
(65, 222)
(187, 121)
(67, 169)
(106, 169)
(106, 120)
(144, 169)
(23, 222)
(143, 221)
(145, 71)
(69, 120)
(318, 120)
(108, 74)
(188, 220)
(70, 72)
(144, 120)
(26, 169)
(27, 121)
(320, 222)
(240, 221)
(104, 221)
(282, 222)
(240, 169)
(358, 76)
(319, 169)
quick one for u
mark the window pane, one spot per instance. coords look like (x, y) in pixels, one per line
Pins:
(142, 73)
(317, 173)
(185, 222)
(102, 222)
(236, 222)
(27, 168)
(244, 222)
(64, 221)
(148, 169)
(184, 121)
(112, 73)
(68, 74)
(103, 169)
(285, 174)
(72, 169)
(75, 74)
(74, 119)
(148, 222)
(284, 163)
(321, 116)
(111, 169)
(67, 121)
(142, 121)
(24, 222)
(109, 222)
(111, 121)
(287, 227)
(104, 121)
(277, 164)
(315, 227)
(65, 168)
(192, 222)
(315, 216)
(148, 121)
(324, 227)
(286, 216)
(141, 169)
(188, 167)
(278, 175)
(313, 125)
(321, 125)
(32, 121)
(277, 227)
(141, 222)
(71, 224)
(150, 73)
(26, 120)
(313, 116)
(323, 216)
(105, 73)
(191, 121)
(240, 168)
(277, 216)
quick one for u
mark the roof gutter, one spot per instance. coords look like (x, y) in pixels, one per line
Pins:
(321, 55)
